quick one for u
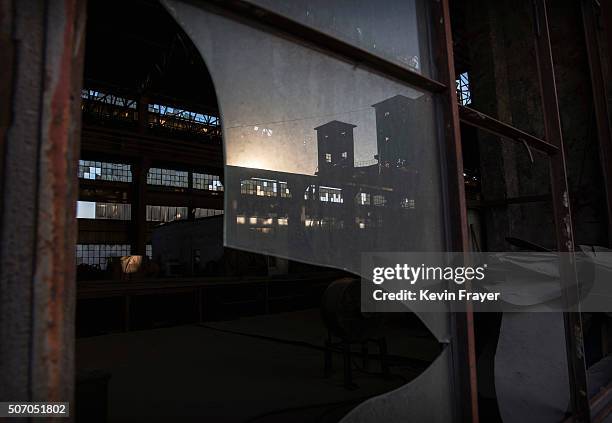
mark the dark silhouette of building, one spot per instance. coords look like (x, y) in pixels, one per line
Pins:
(397, 130)
(335, 148)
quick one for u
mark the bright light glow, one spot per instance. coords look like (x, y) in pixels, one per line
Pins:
(86, 210)
(241, 220)
(253, 220)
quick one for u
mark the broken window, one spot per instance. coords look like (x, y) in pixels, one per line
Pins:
(464, 95)
(383, 132)
(207, 181)
(114, 172)
(168, 177)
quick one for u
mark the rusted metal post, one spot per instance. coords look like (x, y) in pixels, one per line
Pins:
(563, 217)
(463, 344)
(37, 264)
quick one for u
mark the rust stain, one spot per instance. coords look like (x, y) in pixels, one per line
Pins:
(55, 258)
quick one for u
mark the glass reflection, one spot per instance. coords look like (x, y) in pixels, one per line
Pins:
(324, 159)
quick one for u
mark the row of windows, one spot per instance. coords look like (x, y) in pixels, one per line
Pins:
(160, 109)
(332, 195)
(268, 221)
(117, 211)
(173, 112)
(105, 171)
(207, 181)
(168, 177)
(98, 254)
(113, 100)
(166, 213)
(264, 188)
(199, 212)
(95, 210)
(118, 172)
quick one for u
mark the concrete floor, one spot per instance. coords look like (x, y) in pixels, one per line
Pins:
(200, 374)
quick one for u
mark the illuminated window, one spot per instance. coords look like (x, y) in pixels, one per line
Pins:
(464, 95)
(149, 251)
(207, 181)
(104, 171)
(310, 193)
(94, 210)
(259, 187)
(363, 199)
(168, 177)
(166, 213)
(284, 190)
(199, 212)
(331, 195)
(328, 157)
(344, 154)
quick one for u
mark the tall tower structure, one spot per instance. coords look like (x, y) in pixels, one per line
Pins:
(336, 149)
(398, 130)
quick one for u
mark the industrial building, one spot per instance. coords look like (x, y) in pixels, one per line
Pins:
(189, 188)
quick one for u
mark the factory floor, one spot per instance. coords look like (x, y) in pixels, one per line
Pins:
(256, 369)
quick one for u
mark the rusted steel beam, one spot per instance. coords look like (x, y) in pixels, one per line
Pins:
(563, 217)
(54, 274)
(487, 123)
(37, 294)
(462, 321)
(320, 40)
(600, 104)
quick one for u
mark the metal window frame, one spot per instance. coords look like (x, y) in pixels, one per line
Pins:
(552, 145)
(56, 273)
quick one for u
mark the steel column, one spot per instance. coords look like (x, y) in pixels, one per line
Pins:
(600, 104)
(462, 321)
(563, 217)
(37, 263)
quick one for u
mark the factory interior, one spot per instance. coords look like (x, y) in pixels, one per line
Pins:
(228, 327)
(194, 319)
(210, 292)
